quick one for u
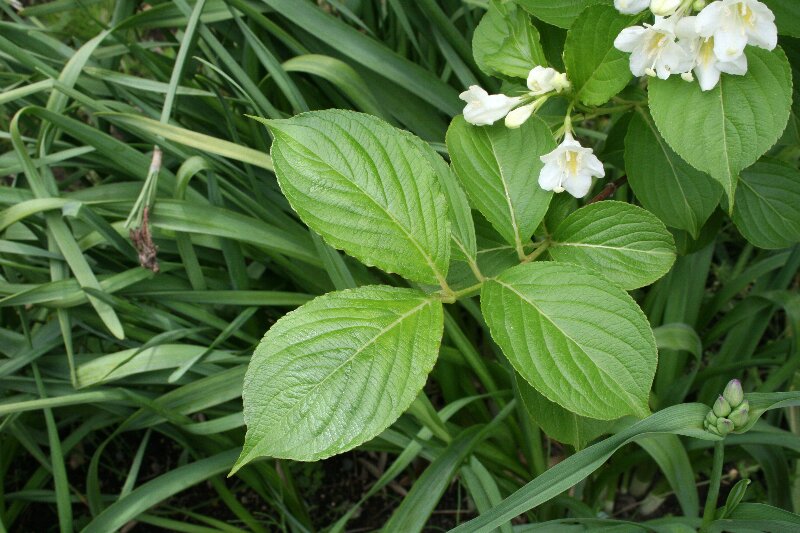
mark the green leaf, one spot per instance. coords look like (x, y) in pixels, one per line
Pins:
(666, 185)
(726, 129)
(191, 138)
(506, 43)
(157, 490)
(761, 402)
(685, 419)
(625, 243)
(767, 209)
(459, 213)
(370, 53)
(499, 168)
(678, 336)
(758, 517)
(337, 371)
(581, 341)
(670, 455)
(558, 423)
(343, 76)
(596, 69)
(366, 189)
(787, 16)
(561, 13)
(735, 497)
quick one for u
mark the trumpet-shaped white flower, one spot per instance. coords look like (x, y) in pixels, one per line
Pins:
(736, 23)
(653, 49)
(570, 167)
(631, 7)
(543, 80)
(664, 8)
(484, 109)
(705, 63)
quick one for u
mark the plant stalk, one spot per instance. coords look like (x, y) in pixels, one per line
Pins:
(713, 487)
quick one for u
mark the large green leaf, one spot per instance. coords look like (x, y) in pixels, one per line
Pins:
(680, 195)
(726, 129)
(506, 43)
(366, 188)
(627, 244)
(337, 371)
(596, 69)
(560, 13)
(558, 423)
(767, 209)
(499, 168)
(579, 340)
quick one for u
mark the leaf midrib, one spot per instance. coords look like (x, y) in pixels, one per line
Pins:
(587, 245)
(507, 195)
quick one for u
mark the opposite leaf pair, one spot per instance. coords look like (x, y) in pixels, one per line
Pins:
(340, 369)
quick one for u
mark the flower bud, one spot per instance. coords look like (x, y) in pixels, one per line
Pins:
(733, 393)
(721, 407)
(711, 419)
(664, 8)
(542, 80)
(740, 415)
(724, 426)
(699, 5)
(517, 117)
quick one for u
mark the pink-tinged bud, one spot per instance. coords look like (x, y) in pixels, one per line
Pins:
(733, 393)
(721, 407)
(740, 415)
(724, 426)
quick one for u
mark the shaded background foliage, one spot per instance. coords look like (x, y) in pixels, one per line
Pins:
(97, 430)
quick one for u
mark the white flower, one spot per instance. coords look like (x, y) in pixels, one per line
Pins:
(570, 167)
(653, 49)
(736, 23)
(484, 109)
(706, 64)
(543, 80)
(631, 7)
(664, 8)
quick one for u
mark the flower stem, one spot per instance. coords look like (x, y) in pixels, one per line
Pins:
(713, 487)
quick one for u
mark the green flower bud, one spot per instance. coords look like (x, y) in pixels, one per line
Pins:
(733, 393)
(713, 430)
(711, 418)
(740, 415)
(699, 5)
(724, 426)
(722, 407)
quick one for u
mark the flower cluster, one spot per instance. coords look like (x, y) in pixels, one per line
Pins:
(707, 44)
(570, 167)
(730, 412)
(484, 109)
